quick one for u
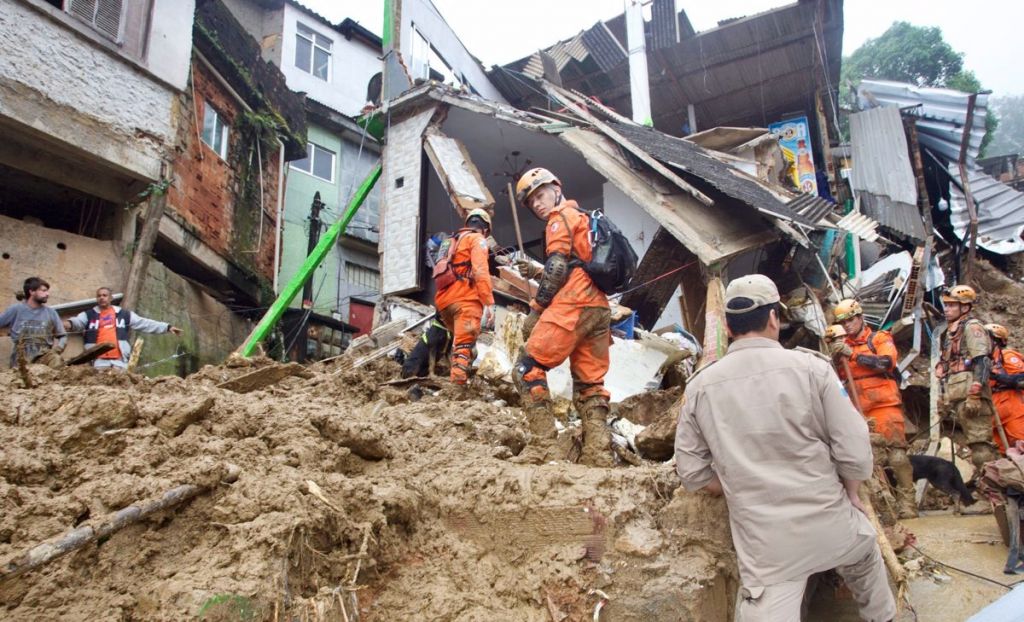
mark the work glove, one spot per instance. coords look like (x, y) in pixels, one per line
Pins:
(840, 348)
(528, 269)
(487, 320)
(972, 405)
(531, 321)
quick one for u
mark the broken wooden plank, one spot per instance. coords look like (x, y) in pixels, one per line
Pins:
(716, 339)
(661, 270)
(90, 354)
(79, 537)
(457, 172)
(572, 102)
(712, 235)
(264, 377)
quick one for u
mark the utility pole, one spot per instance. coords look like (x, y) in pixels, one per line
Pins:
(307, 290)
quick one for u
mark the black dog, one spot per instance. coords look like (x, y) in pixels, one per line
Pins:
(942, 475)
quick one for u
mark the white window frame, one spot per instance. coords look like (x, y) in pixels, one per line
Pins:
(219, 126)
(311, 154)
(314, 39)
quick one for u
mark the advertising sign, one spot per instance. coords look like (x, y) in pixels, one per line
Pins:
(795, 139)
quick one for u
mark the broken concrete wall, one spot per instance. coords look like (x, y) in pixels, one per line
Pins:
(86, 97)
(74, 272)
(400, 215)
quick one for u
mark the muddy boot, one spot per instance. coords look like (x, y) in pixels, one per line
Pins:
(541, 423)
(597, 440)
(980, 454)
(904, 472)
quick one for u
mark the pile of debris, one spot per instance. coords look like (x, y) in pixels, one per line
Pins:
(261, 491)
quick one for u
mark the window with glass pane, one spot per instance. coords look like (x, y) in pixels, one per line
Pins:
(312, 52)
(215, 130)
(318, 162)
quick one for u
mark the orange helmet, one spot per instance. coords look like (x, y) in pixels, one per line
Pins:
(846, 309)
(998, 331)
(964, 294)
(533, 179)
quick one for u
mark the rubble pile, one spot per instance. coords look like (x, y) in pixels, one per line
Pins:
(351, 502)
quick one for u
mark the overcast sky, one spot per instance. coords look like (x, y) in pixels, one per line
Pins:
(498, 32)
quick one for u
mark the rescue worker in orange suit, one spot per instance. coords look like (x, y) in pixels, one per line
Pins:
(467, 304)
(569, 318)
(870, 357)
(1007, 387)
(964, 370)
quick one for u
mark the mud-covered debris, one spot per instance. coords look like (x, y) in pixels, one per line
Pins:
(184, 414)
(657, 441)
(264, 377)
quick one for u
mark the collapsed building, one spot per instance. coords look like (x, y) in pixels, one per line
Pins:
(333, 492)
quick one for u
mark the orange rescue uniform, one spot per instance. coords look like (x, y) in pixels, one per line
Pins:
(576, 323)
(1009, 402)
(462, 303)
(877, 391)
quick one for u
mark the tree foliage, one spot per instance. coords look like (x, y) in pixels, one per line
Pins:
(1009, 138)
(917, 55)
(906, 53)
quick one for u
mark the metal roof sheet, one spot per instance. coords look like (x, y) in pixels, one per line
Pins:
(882, 175)
(1000, 211)
(942, 114)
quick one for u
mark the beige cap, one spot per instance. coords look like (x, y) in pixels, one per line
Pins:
(756, 287)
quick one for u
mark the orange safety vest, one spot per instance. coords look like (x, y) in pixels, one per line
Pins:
(469, 263)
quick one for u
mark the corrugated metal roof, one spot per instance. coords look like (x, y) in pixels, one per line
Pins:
(1000, 211)
(811, 206)
(882, 175)
(941, 114)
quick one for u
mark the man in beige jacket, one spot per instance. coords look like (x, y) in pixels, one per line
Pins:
(774, 431)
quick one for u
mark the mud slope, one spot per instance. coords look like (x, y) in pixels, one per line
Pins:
(349, 496)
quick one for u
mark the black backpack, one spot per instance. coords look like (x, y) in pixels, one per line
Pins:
(613, 260)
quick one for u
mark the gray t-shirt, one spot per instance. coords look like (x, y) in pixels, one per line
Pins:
(36, 327)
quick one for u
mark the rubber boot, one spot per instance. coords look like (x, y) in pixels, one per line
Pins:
(597, 441)
(540, 422)
(904, 472)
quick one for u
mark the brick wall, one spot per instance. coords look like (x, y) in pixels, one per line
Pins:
(206, 189)
(400, 211)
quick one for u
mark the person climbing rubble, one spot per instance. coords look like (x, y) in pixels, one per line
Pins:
(36, 329)
(108, 323)
(569, 318)
(964, 370)
(1007, 387)
(775, 432)
(465, 299)
(869, 357)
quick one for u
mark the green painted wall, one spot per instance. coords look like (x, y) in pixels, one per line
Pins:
(350, 167)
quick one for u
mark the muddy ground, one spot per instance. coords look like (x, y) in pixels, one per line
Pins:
(350, 496)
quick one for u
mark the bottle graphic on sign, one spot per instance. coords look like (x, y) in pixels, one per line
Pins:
(804, 165)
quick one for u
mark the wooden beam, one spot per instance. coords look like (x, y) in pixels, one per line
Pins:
(574, 103)
(144, 247)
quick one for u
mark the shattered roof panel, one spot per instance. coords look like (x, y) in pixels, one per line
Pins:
(748, 71)
(1000, 211)
(692, 159)
(882, 175)
(941, 114)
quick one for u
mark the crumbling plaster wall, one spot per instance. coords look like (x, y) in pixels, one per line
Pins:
(212, 331)
(70, 91)
(400, 212)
